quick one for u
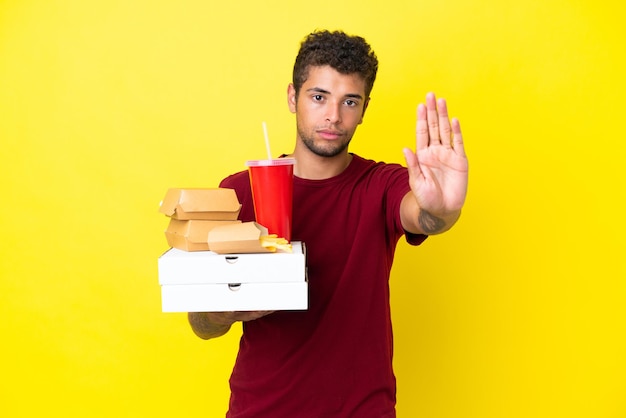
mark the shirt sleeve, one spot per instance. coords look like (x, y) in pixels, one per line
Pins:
(240, 182)
(414, 239)
(398, 187)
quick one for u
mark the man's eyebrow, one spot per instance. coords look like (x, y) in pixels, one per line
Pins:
(321, 90)
(318, 90)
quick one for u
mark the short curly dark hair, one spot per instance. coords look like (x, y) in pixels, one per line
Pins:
(346, 54)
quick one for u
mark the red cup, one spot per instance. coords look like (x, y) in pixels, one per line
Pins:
(272, 194)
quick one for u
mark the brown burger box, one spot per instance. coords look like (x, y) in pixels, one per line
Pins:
(192, 234)
(218, 204)
(243, 238)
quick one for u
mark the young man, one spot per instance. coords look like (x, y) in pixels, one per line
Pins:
(335, 359)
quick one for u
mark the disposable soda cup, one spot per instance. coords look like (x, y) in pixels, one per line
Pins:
(272, 194)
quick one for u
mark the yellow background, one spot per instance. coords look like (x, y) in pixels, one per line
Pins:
(519, 311)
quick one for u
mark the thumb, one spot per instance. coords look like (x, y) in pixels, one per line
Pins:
(412, 162)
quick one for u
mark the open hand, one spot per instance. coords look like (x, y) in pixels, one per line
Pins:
(438, 169)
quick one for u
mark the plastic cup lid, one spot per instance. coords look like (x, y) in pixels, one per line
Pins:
(272, 162)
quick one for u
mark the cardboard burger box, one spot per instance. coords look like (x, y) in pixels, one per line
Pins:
(219, 204)
(249, 280)
(192, 234)
(194, 212)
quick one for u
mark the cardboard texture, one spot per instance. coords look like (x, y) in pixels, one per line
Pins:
(238, 239)
(191, 235)
(205, 281)
(218, 204)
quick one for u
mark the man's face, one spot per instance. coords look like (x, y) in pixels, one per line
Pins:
(328, 110)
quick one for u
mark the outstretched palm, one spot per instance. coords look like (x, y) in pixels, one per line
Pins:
(438, 169)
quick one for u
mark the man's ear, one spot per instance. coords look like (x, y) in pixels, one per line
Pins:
(291, 98)
(367, 102)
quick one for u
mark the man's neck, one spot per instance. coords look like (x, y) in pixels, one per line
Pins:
(314, 167)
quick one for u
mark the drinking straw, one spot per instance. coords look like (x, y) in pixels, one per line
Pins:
(267, 141)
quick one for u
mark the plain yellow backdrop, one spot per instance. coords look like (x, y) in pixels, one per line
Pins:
(519, 311)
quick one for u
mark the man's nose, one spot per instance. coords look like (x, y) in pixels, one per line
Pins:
(333, 113)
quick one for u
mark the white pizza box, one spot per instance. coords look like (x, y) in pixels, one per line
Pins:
(178, 267)
(205, 281)
(222, 297)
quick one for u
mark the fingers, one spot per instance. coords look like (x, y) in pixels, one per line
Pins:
(457, 138)
(445, 131)
(433, 120)
(412, 164)
(220, 318)
(228, 318)
(421, 131)
(433, 124)
(252, 315)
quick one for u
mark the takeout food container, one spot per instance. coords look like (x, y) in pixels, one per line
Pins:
(219, 204)
(205, 281)
(241, 238)
(192, 234)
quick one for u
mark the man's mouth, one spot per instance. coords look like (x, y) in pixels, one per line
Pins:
(329, 133)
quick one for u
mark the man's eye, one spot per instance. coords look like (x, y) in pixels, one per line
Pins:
(318, 97)
(351, 103)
